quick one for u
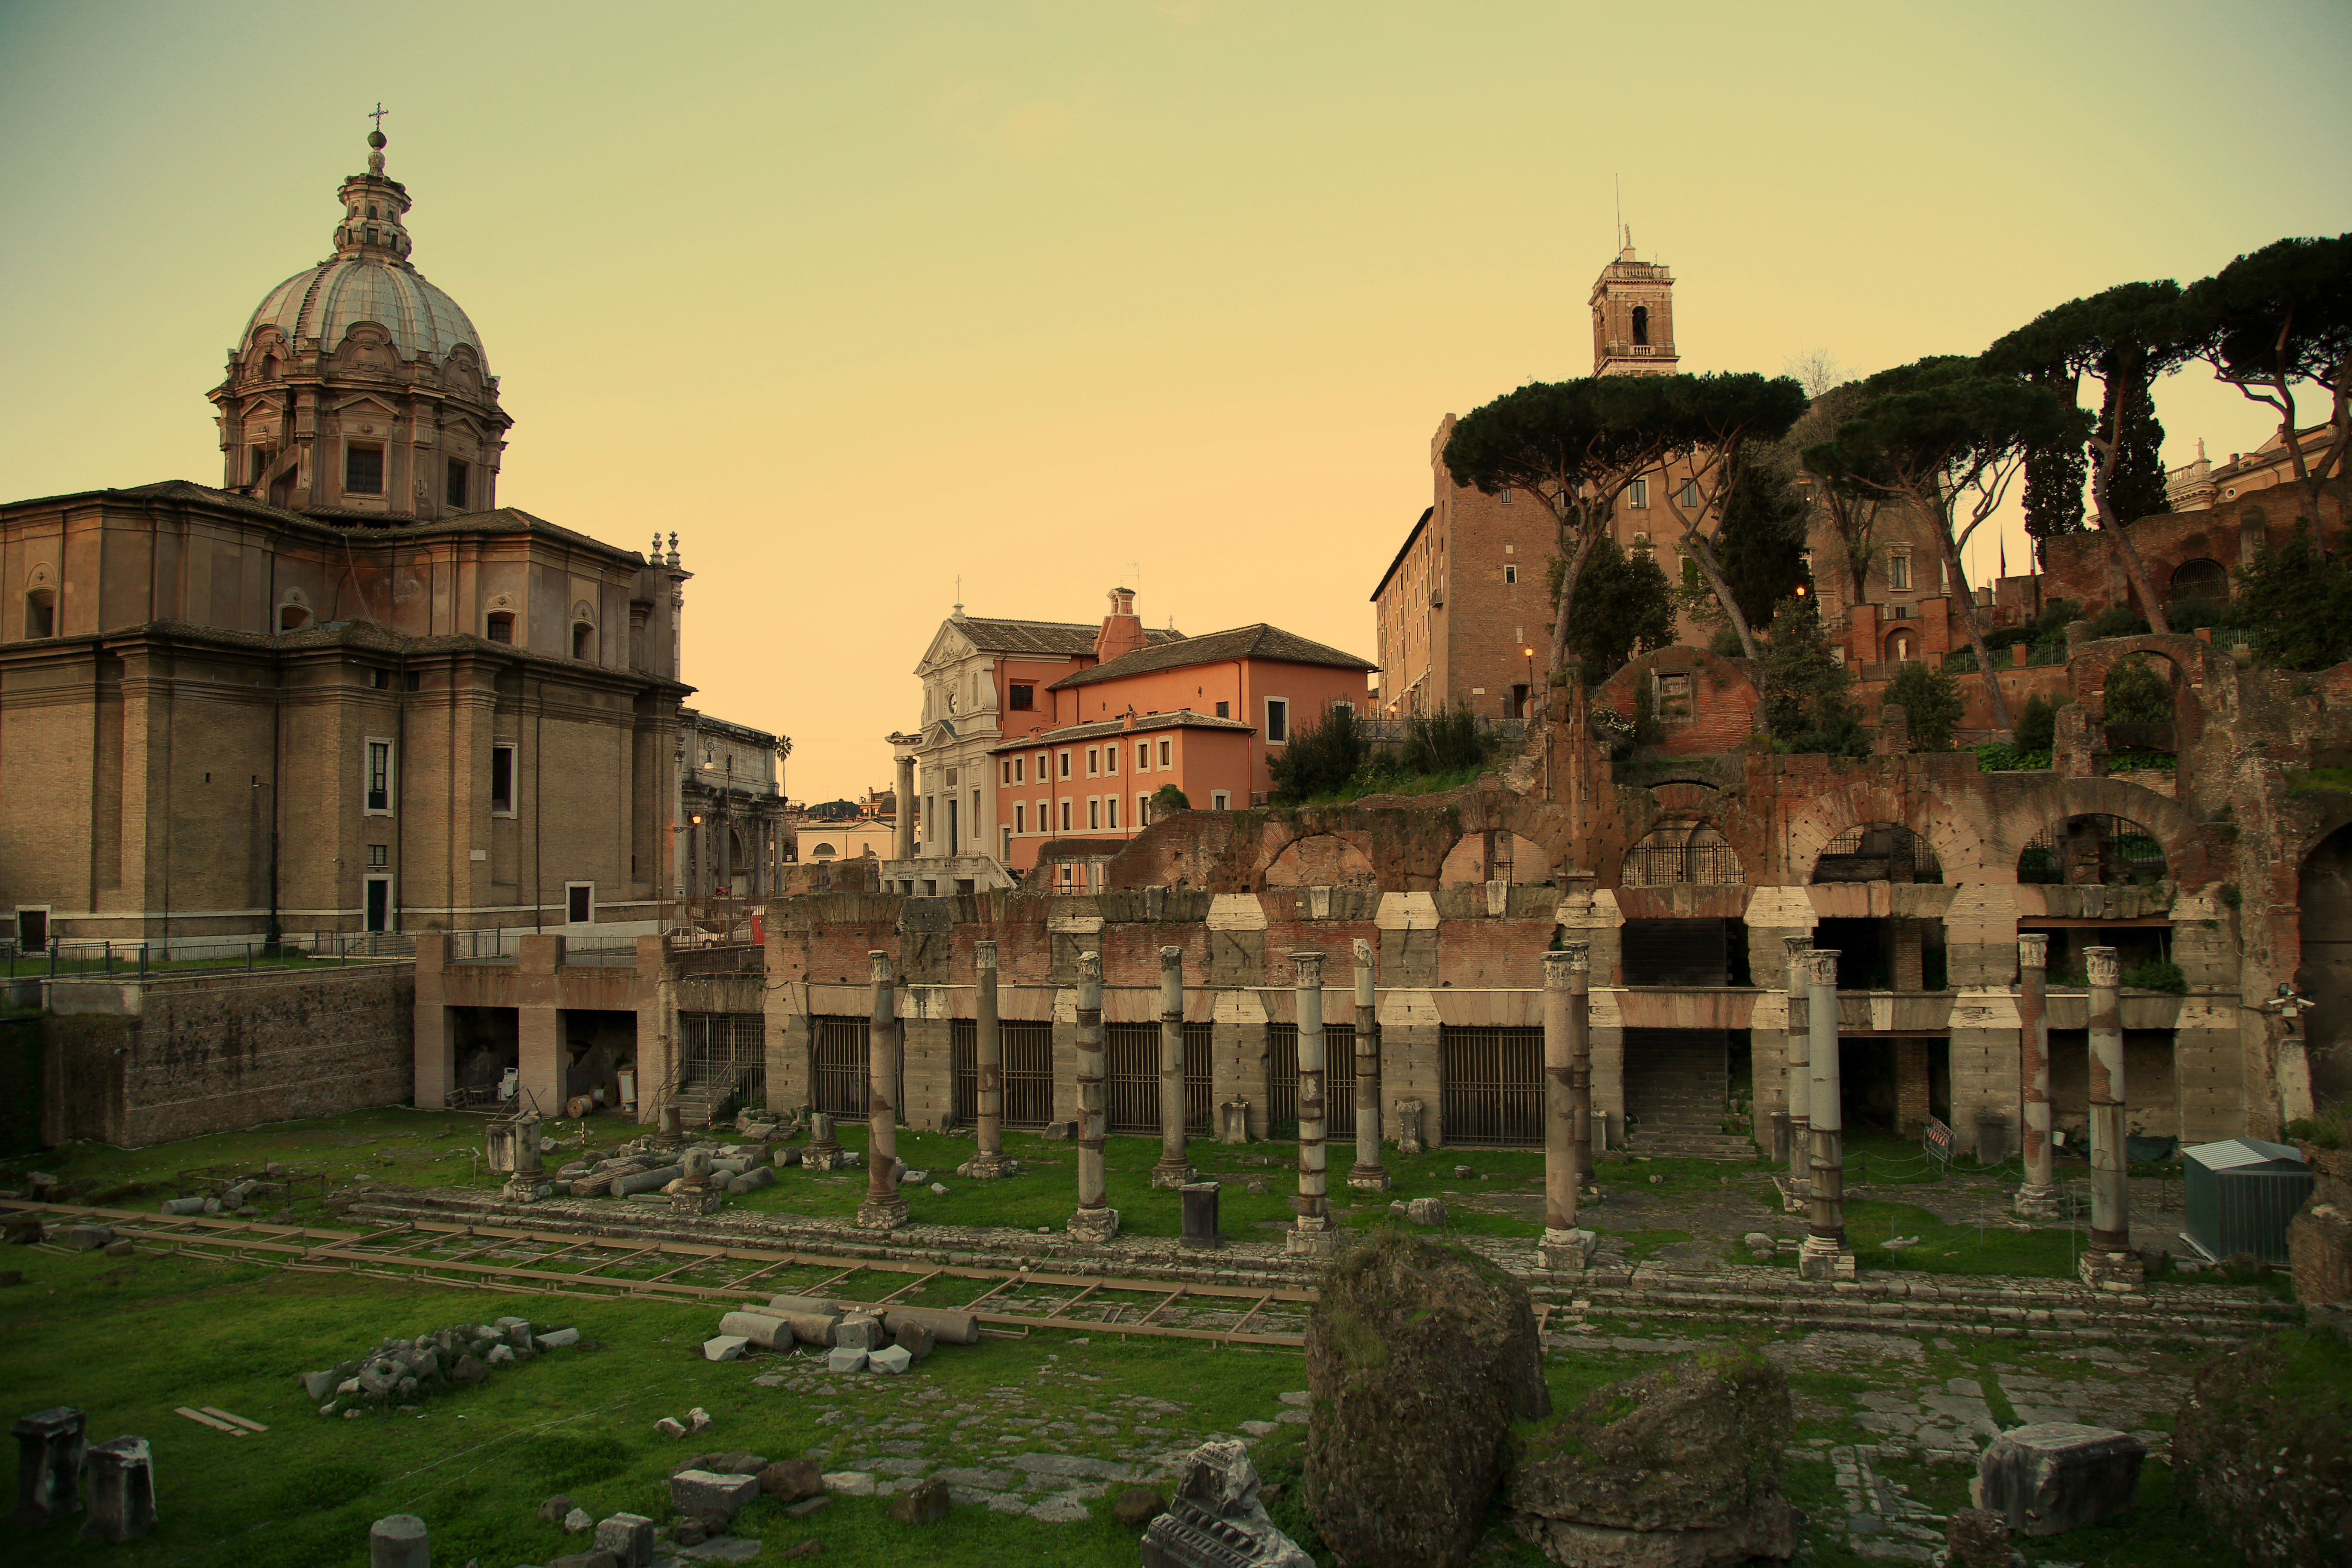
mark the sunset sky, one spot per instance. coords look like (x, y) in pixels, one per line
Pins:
(863, 301)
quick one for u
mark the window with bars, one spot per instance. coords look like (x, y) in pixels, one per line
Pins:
(1338, 1078)
(1028, 1071)
(1491, 1088)
(1131, 1068)
(837, 1081)
(726, 1049)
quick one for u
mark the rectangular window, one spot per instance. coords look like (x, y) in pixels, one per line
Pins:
(1093, 813)
(1510, 574)
(1168, 749)
(1065, 817)
(1221, 801)
(457, 491)
(1110, 804)
(1093, 760)
(1020, 817)
(1143, 756)
(1005, 851)
(1004, 772)
(1638, 493)
(378, 782)
(1020, 770)
(502, 780)
(1066, 765)
(1044, 772)
(1022, 697)
(1044, 822)
(379, 856)
(1277, 720)
(580, 902)
(1690, 493)
(1143, 811)
(363, 469)
(1505, 497)
(1898, 572)
(259, 470)
(1225, 710)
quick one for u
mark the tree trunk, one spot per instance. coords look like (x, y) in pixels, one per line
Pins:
(2002, 724)
(1704, 553)
(2103, 473)
(1556, 660)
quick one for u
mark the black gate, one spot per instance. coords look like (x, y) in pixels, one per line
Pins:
(1492, 1088)
(838, 1078)
(1338, 1078)
(1131, 1071)
(728, 1050)
(1028, 1071)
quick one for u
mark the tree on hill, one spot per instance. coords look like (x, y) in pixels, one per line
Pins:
(1854, 516)
(2278, 318)
(1625, 606)
(1941, 437)
(2127, 336)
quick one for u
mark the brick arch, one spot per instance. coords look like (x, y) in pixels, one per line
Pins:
(2191, 659)
(1319, 860)
(1816, 826)
(2049, 806)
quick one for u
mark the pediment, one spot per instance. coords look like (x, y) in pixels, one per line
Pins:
(362, 404)
(948, 645)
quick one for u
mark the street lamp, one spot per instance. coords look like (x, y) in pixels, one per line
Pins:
(1531, 652)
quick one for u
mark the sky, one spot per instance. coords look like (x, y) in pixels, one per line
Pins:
(879, 308)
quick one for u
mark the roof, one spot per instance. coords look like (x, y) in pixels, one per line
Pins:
(1427, 513)
(2238, 1153)
(1259, 641)
(1060, 637)
(1182, 718)
(328, 300)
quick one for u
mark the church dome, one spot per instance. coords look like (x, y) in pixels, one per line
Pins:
(328, 300)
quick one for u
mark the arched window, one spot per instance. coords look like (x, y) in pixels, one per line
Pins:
(1898, 648)
(501, 627)
(2200, 582)
(823, 851)
(1642, 326)
(41, 613)
(2087, 850)
(1682, 852)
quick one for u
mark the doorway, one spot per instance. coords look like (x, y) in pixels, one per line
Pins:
(379, 904)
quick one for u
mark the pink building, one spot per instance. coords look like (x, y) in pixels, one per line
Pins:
(1207, 714)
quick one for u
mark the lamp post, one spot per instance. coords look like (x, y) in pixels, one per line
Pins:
(1528, 652)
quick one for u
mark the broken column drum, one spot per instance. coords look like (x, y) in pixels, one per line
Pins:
(1095, 1219)
(49, 1451)
(1801, 1067)
(2037, 1195)
(1825, 1254)
(988, 1049)
(1174, 1169)
(1311, 1235)
(883, 1209)
(1367, 1175)
(2108, 1258)
(1563, 1245)
(400, 1541)
(121, 1490)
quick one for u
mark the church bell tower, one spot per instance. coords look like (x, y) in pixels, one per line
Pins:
(1634, 316)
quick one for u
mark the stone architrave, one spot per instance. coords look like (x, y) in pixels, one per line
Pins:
(1174, 1169)
(50, 1448)
(400, 1541)
(1367, 1175)
(1093, 1219)
(2108, 1261)
(2037, 1195)
(1314, 1233)
(883, 1209)
(1800, 1072)
(1215, 1520)
(121, 1490)
(988, 1050)
(1825, 1254)
(1564, 1246)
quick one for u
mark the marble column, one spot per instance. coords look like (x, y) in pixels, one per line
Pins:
(1580, 1054)
(1825, 1254)
(1563, 1245)
(988, 1049)
(1095, 1219)
(1801, 1072)
(2037, 1196)
(883, 1209)
(902, 834)
(2107, 1257)
(1312, 1235)
(1174, 1170)
(1369, 1174)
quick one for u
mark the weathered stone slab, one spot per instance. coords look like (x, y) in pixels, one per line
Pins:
(1216, 1519)
(2058, 1476)
(707, 1495)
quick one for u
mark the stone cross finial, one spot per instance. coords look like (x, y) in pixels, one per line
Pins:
(378, 115)
(2033, 949)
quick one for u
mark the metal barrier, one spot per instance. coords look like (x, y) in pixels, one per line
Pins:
(1338, 1078)
(1491, 1092)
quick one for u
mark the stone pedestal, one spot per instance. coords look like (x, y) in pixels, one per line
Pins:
(823, 1151)
(1372, 1179)
(49, 1451)
(2116, 1271)
(1172, 1178)
(696, 1198)
(1823, 1262)
(882, 1214)
(2039, 1203)
(400, 1541)
(121, 1490)
(1198, 1201)
(1232, 1122)
(1094, 1225)
(673, 1128)
(1566, 1251)
(527, 1189)
(2057, 1476)
(1301, 1241)
(991, 1167)
(1408, 1126)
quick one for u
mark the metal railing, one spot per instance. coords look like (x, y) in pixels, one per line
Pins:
(72, 959)
(478, 947)
(1338, 1078)
(1492, 1092)
(612, 951)
(1664, 865)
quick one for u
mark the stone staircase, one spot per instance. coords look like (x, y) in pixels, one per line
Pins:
(1684, 1143)
(1677, 1082)
(697, 1101)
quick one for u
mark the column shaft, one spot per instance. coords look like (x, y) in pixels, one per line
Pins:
(1800, 1070)
(2038, 1194)
(883, 1207)
(1826, 1223)
(1559, 1097)
(1367, 1173)
(1095, 1219)
(2110, 1195)
(988, 1053)
(1174, 1169)
(902, 833)
(1314, 1199)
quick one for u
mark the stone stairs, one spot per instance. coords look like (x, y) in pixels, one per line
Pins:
(1677, 1082)
(1685, 1144)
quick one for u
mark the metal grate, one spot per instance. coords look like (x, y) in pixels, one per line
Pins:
(1492, 1088)
(964, 1071)
(1132, 1053)
(2119, 849)
(1338, 1078)
(1877, 852)
(725, 1049)
(838, 1082)
(1028, 1072)
(1700, 856)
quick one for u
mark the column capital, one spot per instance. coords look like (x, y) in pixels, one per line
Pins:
(2103, 965)
(2033, 951)
(1363, 952)
(1091, 968)
(1571, 958)
(983, 954)
(1307, 967)
(1820, 966)
(879, 959)
(1172, 958)
(1798, 946)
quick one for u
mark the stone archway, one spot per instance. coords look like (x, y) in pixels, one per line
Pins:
(1320, 860)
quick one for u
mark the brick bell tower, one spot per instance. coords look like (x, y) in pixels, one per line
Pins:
(1634, 316)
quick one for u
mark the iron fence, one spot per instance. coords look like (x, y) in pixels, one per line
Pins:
(1027, 1073)
(105, 959)
(1131, 1053)
(1491, 1091)
(611, 951)
(837, 1083)
(728, 1052)
(1715, 865)
(1338, 1078)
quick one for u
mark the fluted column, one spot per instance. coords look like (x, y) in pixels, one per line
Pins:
(1800, 1070)
(1369, 1174)
(2110, 1240)
(1312, 1235)
(1825, 1254)
(2037, 1196)
(988, 1053)
(1174, 1169)
(902, 834)
(883, 1209)
(1095, 1219)
(1562, 1246)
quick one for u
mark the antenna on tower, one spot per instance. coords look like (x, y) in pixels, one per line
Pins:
(1619, 180)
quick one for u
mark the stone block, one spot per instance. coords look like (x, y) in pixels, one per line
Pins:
(740, 1462)
(50, 1447)
(859, 1331)
(790, 1481)
(629, 1537)
(553, 1510)
(2057, 1476)
(912, 1338)
(892, 1359)
(88, 1238)
(725, 1347)
(924, 1502)
(849, 1483)
(579, 1521)
(1975, 1538)
(697, 1419)
(559, 1338)
(399, 1541)
(121, 1490)
(706, 1494)
(845, 1358)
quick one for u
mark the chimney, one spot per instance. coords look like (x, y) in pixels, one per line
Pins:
(1122, 629)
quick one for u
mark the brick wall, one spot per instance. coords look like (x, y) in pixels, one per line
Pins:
(2319, 1237)
(132, 1065)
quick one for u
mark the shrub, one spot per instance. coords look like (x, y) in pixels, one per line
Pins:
(2262, 1445)
(1443, 740)
(2157, 975)
(1805, 686)
(1999, 759)
(2118, 622)
(2037, 725)
(2137, 693)
(1320, 758)
(2295, 604)
(1168, 798)
(1931, 701)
